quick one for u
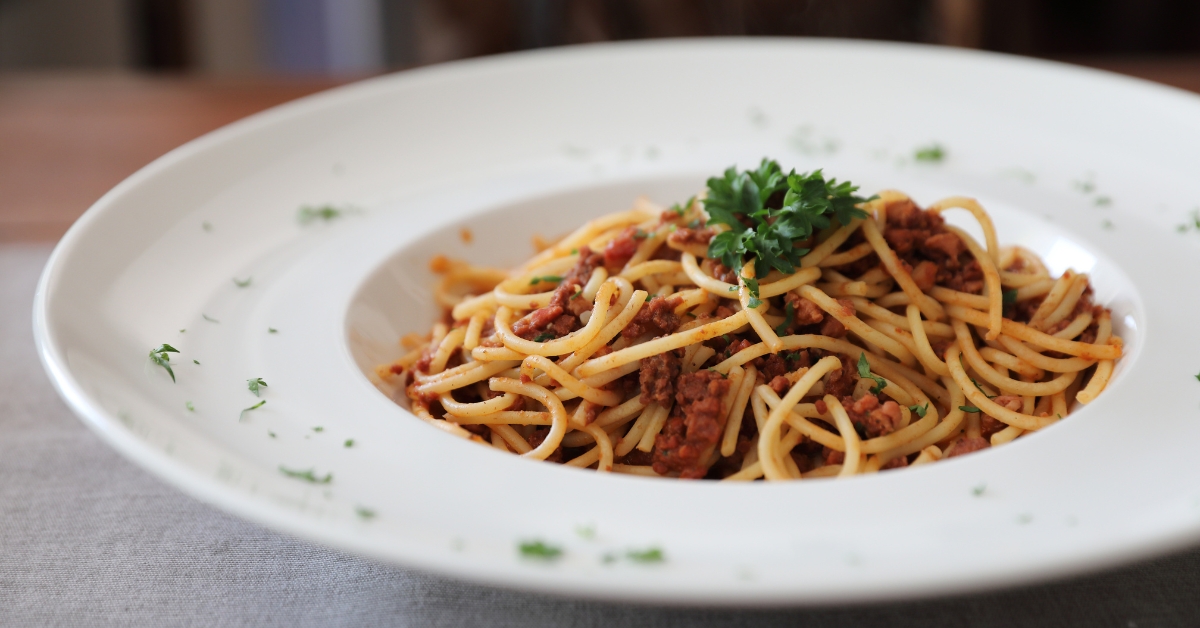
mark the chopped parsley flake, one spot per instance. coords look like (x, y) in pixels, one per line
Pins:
(981, 389)
(309, 214)
(640, 235)
(272, 330)
(183, 331)
(207, 226)
(751, 285)
(545, 279)
(318, 429)
(242, 283)
(253, 407)
(189, 406)
(790, 315)
(754, 302)
(1198, 377)
(978, 490)
(539, 550)
(271, 434)
(934, 153)
(681, 209)
(209, 318)
(159, 355)
(195, 361)
(1103, 201)
(1009, 297)
(586, 532)
(919, 410)
(864, 371)
(809, 202)
(365, 514)
(649, 298)
(1106, 224)
(255, 384)
(968, 408)
(349, 443)
(308, 475)
(646, 556)
(543, 337)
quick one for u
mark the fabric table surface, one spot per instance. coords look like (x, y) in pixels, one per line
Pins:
(89, 539)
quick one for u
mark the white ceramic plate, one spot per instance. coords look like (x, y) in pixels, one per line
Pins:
(1089, 169)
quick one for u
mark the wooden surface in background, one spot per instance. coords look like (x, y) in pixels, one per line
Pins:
(67, 139)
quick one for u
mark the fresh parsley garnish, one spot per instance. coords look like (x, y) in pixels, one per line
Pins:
(1103, 201)
(981, 389)
(640, 235)
(253, 407)
(271, 434)
(754, 302)
(308, 475)
(195, 361)
(968, 408)
(543, 337)
(255, 384)
(789, 316)
(546, 279)
(242, 283)
(864, 371)
(309, 214)
(919, 410)
(650, 555)
(363, 513)
(1009, 297)
(318, 429)
(808, 203)
(349, 443)
(978, 490)
(189, 406)
(159, 355)
(681, 209)
(933, 153)
(539, 550)
(1198, 377)
(649, 298)
(587, 532)
(272, 330)
(209, 318)
(751, 285)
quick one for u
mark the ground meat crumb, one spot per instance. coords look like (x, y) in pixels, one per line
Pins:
(538, 437)
(693, 427)
(871, 416)
(657, 316)
(621, 248)
(657, 377)
(779, 384)
(965, 445)
(840, 381)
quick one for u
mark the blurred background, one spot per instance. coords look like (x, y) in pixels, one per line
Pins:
(354, 37)
(91, 90)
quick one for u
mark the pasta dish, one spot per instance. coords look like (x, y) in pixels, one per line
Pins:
(776, 326)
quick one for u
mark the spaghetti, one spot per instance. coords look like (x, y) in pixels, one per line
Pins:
(776, 327)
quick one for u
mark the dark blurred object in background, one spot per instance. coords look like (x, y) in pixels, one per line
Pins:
(351, 37)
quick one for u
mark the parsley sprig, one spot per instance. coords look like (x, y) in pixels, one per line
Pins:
(739, 200)
(160, 356)
(919, 410)
(864, 371)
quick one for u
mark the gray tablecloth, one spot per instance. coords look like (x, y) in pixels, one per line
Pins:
(88, 539)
